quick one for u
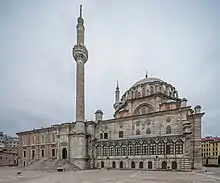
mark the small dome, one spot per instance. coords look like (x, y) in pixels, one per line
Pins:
(197, 106)
(147, 80)
(184, 99)
(98, 111)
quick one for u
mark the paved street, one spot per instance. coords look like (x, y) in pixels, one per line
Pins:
(9, 175)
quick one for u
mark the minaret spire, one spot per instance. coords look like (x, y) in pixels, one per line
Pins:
(146, 74)
(80, 54)
(80, 11)
(117, 95)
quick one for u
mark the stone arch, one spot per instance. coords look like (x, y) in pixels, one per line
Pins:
(168, 129)
(148, 131)
(164, 165)
(132, 164)
(174, 165)
(143, 109)
(113, 164)
(121, 164)
(141, 165)
(64, 153)
(138, 132)
(150, 165)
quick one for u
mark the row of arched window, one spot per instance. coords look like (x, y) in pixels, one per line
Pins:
(148, 131)
(42, 139)
(153, 148)
(141, 165)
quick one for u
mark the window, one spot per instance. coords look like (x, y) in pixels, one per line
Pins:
(143, 92)
(53, 152)
(137, 149)
(0, 157)
(105, 135)
(120, 134)
(179, 147)
(168, 129)
(42, 138)
(111, 150)
(101, 136)
(169, 147)
(33, 140)
(161, 148)
(130, 149)
(42, 153)
(123, 150)
(148, 131)
(138, 132)
(117, 150)
(99, 151)
(153, 148)
(105, 151)
(53, 137)
(24, 154)
(145, 148)
(33, 153)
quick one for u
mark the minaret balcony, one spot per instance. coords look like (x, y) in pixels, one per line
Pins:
(80, 53)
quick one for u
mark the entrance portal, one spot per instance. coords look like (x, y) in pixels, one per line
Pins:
(64, 153)
(150, 165)
(164, 165)
(174, 165)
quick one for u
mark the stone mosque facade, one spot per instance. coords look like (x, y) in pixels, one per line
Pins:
(152, 128)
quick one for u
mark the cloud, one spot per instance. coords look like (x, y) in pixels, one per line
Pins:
(176, 41)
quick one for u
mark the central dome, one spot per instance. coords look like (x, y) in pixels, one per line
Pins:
(147, 80)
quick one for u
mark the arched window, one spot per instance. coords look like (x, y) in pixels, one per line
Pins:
(130, 149)
(143, 92)
(132, 164)
(161, 148)
(148, 131)
(179, 147)
(33, 140)
(117, 150)
(168, 129)
(145, 148)
(136, 94)
(141, 165)
(105, 150)
(123, 150)
(143, 110)
(138, 132)
(101, 136)
(151, 90)
(169, 147)
(137, 148)
(152, 148)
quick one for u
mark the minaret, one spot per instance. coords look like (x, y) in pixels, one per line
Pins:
(117, 96)
(80, 54)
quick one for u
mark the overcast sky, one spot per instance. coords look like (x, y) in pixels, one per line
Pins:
(175, 40)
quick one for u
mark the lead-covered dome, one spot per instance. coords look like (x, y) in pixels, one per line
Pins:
(147, 80)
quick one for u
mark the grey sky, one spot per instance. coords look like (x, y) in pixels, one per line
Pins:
(177, 41)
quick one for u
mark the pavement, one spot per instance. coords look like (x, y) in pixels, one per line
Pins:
(9, 175)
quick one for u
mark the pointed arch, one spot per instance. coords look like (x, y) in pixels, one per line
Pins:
(148, 131)
(168, 129)
(143, 109)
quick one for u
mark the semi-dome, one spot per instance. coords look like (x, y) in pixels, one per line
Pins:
(147, 80)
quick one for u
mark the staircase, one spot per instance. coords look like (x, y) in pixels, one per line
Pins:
(51, 164)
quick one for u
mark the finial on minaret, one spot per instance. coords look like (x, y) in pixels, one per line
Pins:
(80, 11)
(146, 74)
(117, 87)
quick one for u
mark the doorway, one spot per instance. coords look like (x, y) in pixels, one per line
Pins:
(64, 153)
(164, 165)
(174, 165)
(113, 164)
(121, 164)
(150, 165)
(132, 164)
(141, 165)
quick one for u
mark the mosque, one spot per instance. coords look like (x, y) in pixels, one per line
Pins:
(153, 128)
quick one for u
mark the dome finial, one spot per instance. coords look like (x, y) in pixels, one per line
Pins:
(146, 74)
(117, 87)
